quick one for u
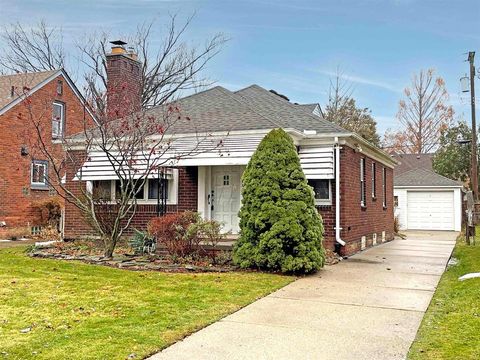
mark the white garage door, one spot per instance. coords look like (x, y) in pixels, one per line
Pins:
(430, 210)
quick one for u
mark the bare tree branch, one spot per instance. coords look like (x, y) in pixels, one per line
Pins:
(422, 114)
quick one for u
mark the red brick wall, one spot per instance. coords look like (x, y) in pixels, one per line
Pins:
(16, 194)
(357, 221)
(76, 226)
(123, 85)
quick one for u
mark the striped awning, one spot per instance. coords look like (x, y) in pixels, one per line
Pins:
(187, 151)
(317, 161)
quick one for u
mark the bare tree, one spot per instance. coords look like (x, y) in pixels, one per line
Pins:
(33, 49)
(422, 114)
(133, 149)
(174, 67)
(342, 110)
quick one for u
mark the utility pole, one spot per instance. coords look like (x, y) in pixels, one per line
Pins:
(471, 57)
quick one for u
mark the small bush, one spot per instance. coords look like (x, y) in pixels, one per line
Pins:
(208, 233)
(14, 233)
(48, 232)
(396, 224)
(142, 243)
(50, 211)
(186, 235)
(172, 232)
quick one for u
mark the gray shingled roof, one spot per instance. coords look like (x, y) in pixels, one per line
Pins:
(286, 114)
(412, 161)
(252, 108)
(19, 82)
(216, 109)
(308, 107)
(423, 177)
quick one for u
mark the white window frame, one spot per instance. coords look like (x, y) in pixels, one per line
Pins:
(43, 163)
(363, 195)
(172, 195)
(374, 180)
(324, 202)
(384, 187)
(62, 120)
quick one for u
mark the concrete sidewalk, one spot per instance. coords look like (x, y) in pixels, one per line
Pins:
(367, 307)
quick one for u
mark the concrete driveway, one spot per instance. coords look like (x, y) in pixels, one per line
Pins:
(367, 307)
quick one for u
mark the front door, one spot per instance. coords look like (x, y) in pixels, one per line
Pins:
(226, 186)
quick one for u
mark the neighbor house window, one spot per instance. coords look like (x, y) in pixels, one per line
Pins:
(363, 189)
(374, 180)
(322, 190)
(384, 186)
(395, 201)
(59, 87)
(58, 120)
(39, 173)
(154, 188)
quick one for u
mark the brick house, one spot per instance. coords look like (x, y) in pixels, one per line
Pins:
(335, 161)
(51, 99)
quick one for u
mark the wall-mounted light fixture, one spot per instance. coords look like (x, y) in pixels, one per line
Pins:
(24, 150)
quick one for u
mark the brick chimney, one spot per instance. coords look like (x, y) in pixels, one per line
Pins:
(124, 95)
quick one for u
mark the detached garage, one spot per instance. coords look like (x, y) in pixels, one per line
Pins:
(425, 200)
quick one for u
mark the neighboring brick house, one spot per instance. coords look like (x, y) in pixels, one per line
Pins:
(333, 159)
(50, 99)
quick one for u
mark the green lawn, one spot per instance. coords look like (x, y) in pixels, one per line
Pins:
(451, 326)
(80, 311)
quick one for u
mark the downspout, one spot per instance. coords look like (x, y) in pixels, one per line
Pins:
(337, 194)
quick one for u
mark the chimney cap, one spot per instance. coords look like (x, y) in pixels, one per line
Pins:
(118, 42)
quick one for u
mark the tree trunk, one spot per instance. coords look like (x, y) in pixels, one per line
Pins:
(109, 246)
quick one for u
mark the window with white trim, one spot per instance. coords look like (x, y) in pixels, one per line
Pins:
(384, 186)
(105, 189)
(102, 190)
(138, 192)
(58, 120)
(362, 183)
(39, 173)
(323, 191)
(154, 188)
(374, 180)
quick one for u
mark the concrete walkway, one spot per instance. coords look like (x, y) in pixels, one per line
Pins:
(367, 307)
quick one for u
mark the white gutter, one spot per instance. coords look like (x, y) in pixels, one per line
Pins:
(337, 194)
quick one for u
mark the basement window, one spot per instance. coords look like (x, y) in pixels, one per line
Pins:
(323, 191)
